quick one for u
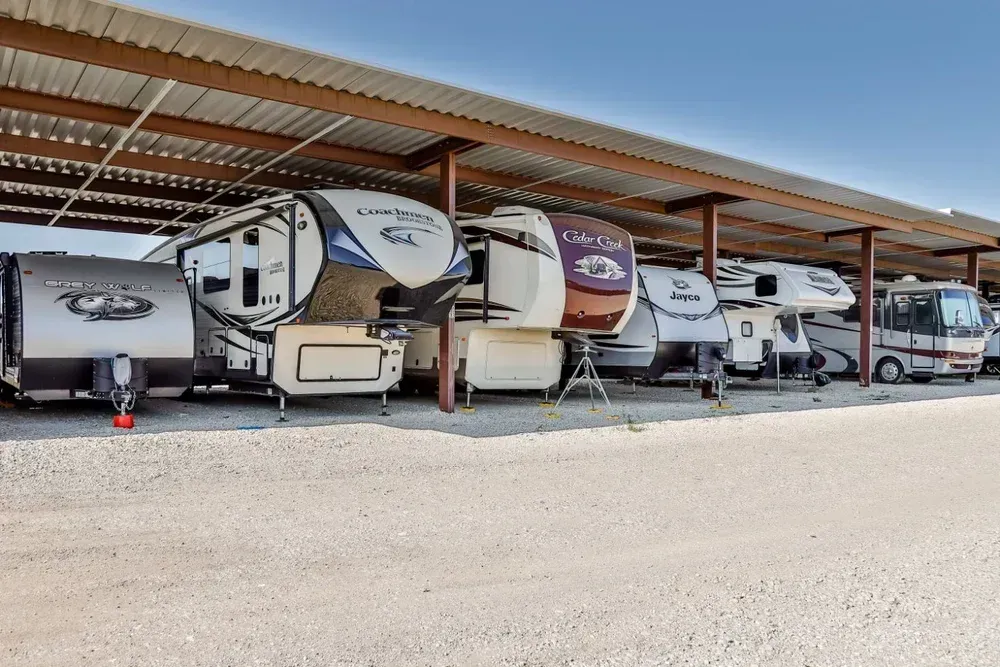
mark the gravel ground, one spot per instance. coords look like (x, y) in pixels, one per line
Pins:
(847, 536)
(495, 415)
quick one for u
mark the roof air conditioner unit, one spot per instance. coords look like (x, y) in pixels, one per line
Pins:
(909, 279)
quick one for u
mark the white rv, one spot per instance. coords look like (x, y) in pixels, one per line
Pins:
(990, 311)
(919, 330)
(535, 276)
(677, 331)
(763, 303)
(314, 293)
(67, 322)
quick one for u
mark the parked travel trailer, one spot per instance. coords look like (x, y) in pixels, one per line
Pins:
(536, 277)
(677, 331)
(316, 292)
(919, 330)
(93, 327)
(763, 303)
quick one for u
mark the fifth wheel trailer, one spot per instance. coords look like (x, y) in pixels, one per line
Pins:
(65, 319)
(677, 331)
(919, 330)
(316, 292)
(537, 278)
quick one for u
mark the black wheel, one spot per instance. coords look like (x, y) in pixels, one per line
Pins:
(923, 379)
(889, 371)
(407, 387)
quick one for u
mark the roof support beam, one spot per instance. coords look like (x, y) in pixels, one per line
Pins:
(125, 57)
(867, 297)
(425, 157)
(41, 203)
(697, 202)
(847, 232)
(955, 252)
(93, 112)
(76, 222)
(972, 269)
(109, 186)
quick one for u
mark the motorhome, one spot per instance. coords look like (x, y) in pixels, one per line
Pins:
(920, 330)
(70, 326)
(677, 331)
(990, 312)
(536, 277)
(316, 292)
(763, 304)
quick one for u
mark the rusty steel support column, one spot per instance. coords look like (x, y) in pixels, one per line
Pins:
(709, 254)
(972, 269)
(446, 342)
(867, 280)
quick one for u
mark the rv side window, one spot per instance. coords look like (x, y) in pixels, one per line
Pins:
(478, 258)
(766, 285)
(853, 314)
(215, 266)
(746, 329)
(901, 315)
(251, 264)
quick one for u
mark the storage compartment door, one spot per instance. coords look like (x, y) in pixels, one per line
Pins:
(511, 360)
(339, 363)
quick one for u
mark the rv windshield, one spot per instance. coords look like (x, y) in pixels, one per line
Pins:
(957, 310)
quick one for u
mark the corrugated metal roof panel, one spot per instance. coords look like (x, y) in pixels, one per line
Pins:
(130, 25)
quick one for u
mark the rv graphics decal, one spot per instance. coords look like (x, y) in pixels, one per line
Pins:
(579, 237)
(404, 235)
(96, 305)
(402, 215)
(598, 266)
(825, 285)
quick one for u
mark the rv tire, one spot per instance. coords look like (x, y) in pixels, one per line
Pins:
(407, 387)
(889, 371)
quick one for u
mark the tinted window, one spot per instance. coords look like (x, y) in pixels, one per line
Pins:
(853, 314)
(766, 285)
(251, 266)
(215, 266)
(478, 258)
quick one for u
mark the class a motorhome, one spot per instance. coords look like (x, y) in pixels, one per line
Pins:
(316, 292)
(68, 324)
(677, 331)
(763, 304)
(990, 312)
(537, 277)
(919, 330)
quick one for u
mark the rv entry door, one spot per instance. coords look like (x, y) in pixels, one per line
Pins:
(922, 332)
(913, 328)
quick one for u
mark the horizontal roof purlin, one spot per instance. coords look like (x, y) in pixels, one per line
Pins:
(519, 163)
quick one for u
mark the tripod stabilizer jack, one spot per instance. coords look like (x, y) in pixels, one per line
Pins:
(585, 371)
(385, 405)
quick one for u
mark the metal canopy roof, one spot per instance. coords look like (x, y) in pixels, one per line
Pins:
(77, 74)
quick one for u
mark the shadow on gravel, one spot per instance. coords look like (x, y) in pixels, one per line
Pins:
(495, 414)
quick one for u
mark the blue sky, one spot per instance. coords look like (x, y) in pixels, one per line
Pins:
(898, 98)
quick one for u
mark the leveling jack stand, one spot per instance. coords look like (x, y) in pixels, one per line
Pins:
(585, 372)
(281, 408)
(468, 409)
(546, 403)
(385, 405)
